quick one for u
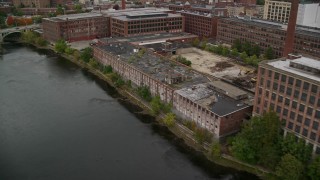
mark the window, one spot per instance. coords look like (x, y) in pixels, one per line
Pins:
(298, 83)
(297, 129)
(289, 91)
(287, 102)
(280, 99)
(276, 76)
(268, 84)
(309, 111)
(301, 108)
(296, 94)
(261, 81)
(290, 81)
(278, 109)
(285, 112)
(290, 125)
(306, 86)
(303, 96)
(275, 86)
(292, 115)
(314, 88)
(307, 122)
(315, 125)
(305, 132)
(283, 78)
(282, 88)
(294, 104)
(312, 99)
(317, 114)
(313, 136)
(299, 118)
(273, 97)
(271, 106)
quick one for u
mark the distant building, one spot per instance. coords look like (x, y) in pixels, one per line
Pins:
(38, 11)
(291, 88)
(55, 3)
(308, 13)
(268, 34)
(75, 27)
(32, 3)
(139, 23)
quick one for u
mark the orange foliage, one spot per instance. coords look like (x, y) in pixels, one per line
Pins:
(23, 21)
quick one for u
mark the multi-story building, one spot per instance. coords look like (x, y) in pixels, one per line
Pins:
(75, 27)
(38, 11)
(268, 34)
(215, 106)
(32, 3)
(291, 88)
(203, 25)
(308, 13)
(139, 23)
(277, 10)
(55, 3)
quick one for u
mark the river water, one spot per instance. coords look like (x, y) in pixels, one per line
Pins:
(57, 121)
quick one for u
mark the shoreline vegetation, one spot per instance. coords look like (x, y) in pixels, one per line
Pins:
(196, 138)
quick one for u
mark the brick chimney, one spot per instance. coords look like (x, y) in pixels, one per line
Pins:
(288, 46)
(123, 4)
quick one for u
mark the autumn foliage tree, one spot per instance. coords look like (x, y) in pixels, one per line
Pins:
(10, 20)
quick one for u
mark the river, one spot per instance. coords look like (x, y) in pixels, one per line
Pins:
(58, 121)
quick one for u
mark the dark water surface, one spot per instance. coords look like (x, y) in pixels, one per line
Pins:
(58, 121)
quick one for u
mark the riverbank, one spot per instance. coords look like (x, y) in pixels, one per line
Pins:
(178, 130)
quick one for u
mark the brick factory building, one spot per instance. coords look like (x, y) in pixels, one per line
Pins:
(203, 25)
(268, 34)
(32, 3)
(140, 23)
(291, 88)
(213, 105)
(75, 27)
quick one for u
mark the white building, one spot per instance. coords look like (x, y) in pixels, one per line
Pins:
(308, 14)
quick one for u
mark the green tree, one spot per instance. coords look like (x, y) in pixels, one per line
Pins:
(40, 41)
(243, 55)
(59, 10)
(215, 149)
(289, 168)
(93, 63)
(86, 54)
(225, 51)
(169, 119)
(256, 50)
(237, 45)
(269, 54)
(247, 47)
(156, 105)
(37, 19)
(60, 46)
(144, 93)
(314, 169)
(29, 36)
(195, 42)
(242, 149)
(76, 55)
(78, 8)
(69, 50)
(234, 52)
(203, 43)
(107, 69)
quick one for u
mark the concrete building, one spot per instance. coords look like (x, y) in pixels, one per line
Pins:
(55, 3)
(193, 97)
(277, 10)
(75, 27)
(32, 3)
(268, 34)
(308, 13)
(291, 88)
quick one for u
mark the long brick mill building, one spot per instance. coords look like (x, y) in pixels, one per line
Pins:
(213, 105)
(269, 34)
(75, 27)
(291, 88)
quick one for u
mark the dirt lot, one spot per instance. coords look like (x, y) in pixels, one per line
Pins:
(212, 64)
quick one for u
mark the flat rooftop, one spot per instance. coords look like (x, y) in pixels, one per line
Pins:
(284, 65)
(272, 24)
(115, 13)
(138, 15)
(215, 101)
(74, 16)
(149, 39)
(159, 68)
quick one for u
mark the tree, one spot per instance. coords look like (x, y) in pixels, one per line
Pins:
(144, 93)
(69, 50)
(314, 169)
(169, 119)
(234, 52)
(37, 19)
(215, 149)
(246, 47)
(225, 51)
(93, 63)
(269, 54)
(156, 105)
(289, 168)
(60, 46)
(195, 42)
(60, 10)
(243, 55)
(204, 43)
(78, 8)
(256, 50)
(10, 20)
(40, 41)
(107, 69)
(237, 45)
(86, 54)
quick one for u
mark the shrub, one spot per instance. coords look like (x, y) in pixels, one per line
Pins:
(107, 69)
(169, 120)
